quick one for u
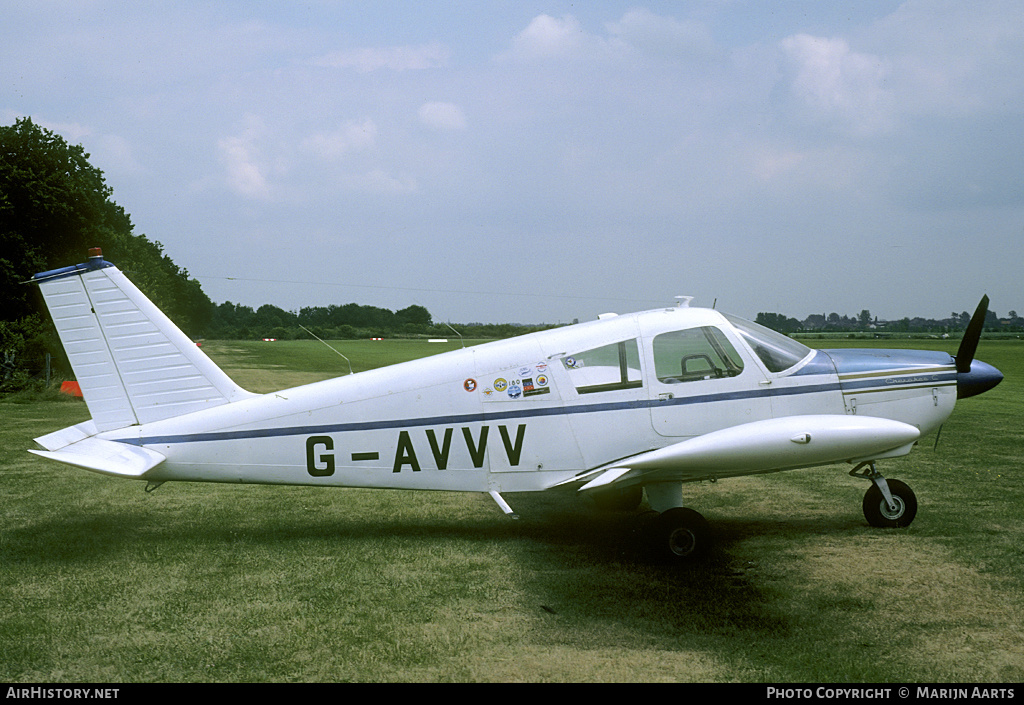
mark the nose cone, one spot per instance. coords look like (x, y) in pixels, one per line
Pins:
(980, 378)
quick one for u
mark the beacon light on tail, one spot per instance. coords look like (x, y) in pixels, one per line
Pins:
(648, 400)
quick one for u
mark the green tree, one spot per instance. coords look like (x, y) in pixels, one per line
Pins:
(415, 315)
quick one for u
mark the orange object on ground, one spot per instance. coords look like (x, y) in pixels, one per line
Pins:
(71, 388)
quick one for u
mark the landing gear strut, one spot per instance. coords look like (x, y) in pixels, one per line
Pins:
(887, 503)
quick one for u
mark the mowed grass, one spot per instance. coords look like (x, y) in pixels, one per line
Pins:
(102, 582)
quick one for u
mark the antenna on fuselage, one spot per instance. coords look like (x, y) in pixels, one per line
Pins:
(328, 345)
(457, 333)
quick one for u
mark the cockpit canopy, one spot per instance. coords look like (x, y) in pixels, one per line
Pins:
(777, 351)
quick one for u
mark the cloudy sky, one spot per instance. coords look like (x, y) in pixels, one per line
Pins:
(500, 160)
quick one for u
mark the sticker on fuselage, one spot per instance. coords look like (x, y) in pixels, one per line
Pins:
(519, 383)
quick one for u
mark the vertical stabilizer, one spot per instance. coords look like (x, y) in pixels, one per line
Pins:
(133, 364)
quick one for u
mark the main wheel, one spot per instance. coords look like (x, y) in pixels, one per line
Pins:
(681, 536)
(877, 511)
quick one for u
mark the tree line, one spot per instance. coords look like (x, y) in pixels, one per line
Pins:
(865, 322)
(231, 321)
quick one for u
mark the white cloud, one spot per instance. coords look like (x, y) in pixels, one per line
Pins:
(442, 116)
(549, 37)
(840, 84)
(245, 172)
(398, 58)
(663, 36)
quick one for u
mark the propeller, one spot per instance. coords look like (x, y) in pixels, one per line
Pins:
(974, 377)
(969, 343)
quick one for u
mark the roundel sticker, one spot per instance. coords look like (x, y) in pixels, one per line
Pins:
(469, 385)
(500, 384)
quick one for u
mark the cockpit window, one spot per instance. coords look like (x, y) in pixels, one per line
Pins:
(694, 354)
(777, 351)
(605, 369)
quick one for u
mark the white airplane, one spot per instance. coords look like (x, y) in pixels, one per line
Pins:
(647, 400)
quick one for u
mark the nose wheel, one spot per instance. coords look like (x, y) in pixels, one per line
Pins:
(887, 503)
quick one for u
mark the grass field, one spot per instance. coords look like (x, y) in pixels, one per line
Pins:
(101, 582)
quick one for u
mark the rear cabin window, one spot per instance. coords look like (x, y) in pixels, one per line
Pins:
(694, 354)
(605, 369)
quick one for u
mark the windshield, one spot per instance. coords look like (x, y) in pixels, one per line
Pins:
(777, 351)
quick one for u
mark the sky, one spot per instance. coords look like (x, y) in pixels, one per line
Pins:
(545, 161)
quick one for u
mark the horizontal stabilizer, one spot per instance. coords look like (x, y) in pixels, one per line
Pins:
(764, 446)
(106, 457)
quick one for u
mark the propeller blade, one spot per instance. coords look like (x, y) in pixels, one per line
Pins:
(969, 343)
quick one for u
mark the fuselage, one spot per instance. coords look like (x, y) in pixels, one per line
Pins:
(531, 412)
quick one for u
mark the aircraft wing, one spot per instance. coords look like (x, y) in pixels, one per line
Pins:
(760, 447)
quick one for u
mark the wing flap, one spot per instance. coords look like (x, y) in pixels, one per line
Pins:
(606, 478)
(106, 457)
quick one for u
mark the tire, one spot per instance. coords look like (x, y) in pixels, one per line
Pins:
(877, 511)
(681, 536)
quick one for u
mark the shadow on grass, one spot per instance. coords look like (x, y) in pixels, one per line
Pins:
(568, 559)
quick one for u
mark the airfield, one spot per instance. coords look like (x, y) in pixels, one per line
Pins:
(101, 582)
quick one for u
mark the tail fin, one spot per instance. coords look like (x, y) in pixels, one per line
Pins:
(133, 364)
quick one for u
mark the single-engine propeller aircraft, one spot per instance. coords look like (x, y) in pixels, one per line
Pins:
(647, 400)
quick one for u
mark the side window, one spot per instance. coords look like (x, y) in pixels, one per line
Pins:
(604, 369)
(694, 354)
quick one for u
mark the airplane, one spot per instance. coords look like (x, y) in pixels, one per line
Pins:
(618, 408)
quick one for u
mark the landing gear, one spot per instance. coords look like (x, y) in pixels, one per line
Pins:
(677, 535)
(900, 513)
(681, 536)
(887, 503)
